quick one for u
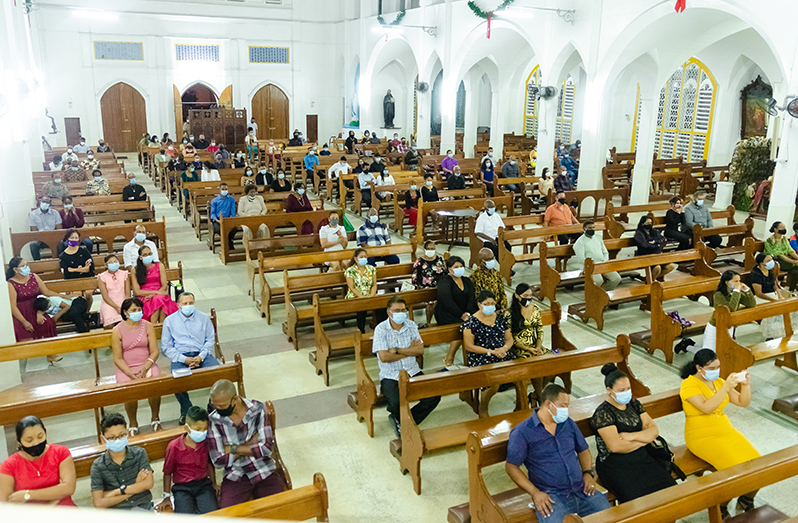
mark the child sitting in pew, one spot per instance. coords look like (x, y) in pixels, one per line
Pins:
(75, 310)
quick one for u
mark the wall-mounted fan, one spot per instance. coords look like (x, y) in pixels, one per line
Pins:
(790, 105)
(546, 92)
(422, 87)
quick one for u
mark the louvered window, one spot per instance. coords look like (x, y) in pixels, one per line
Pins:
(118, 50)
(565, 111)
(197, 53)
(531, 104)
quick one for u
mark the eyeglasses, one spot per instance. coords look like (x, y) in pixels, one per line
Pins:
(115, 438)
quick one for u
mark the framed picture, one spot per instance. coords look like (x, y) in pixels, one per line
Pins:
(755, 98)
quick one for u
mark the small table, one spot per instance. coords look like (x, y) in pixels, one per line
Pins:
(456, 222)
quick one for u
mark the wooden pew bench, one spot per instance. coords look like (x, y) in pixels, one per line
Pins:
(528, 193)
(415, 442)
(486, 448)
(443, 194)
(425, 209)
(735, 235)
(616, 217)
(597, 199)
(521, 222)
(597, 299)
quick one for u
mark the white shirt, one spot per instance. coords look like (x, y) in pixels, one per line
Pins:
(254, 127)
(130, 253)
(81, 148)
(489, 224)
(330, 234)
(363, 179)
(210, 176)
(338, 169)
(54, 167)
(385, 338)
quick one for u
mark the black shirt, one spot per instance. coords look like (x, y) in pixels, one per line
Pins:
(674, 221)
(350, 144)
(295, 142)
(766, 282)
(430, 194)
(377, 167)
(103, 149)
(177, 165)
(264, 179)
(76, 261)
(411, 158)
(239, 163)
(410, 200)
(456, 183)
(648, 242)
(453, 302)
(201, 144)
(276, 186)
(134, 193)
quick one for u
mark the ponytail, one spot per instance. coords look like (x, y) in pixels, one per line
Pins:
(701, 359)
(12, 265)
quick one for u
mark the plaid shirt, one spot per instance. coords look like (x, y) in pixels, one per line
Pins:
(373, 234)
(98, 187)
(385, 337)
(222, 432)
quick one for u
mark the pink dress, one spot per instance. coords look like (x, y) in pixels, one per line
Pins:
(115, 283)
(26, 296)
(158, 301)
(135, 350)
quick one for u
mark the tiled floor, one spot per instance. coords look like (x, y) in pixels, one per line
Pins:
(317, 431)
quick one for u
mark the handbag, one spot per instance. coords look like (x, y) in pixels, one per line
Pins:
(659, 450)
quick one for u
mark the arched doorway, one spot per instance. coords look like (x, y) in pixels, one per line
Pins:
(270, 111)
(198, 96)
(124, 114)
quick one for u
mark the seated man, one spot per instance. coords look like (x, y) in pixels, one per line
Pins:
(54, 188)
(189, 478)
(412, 158)
(337, 169)
(133, 192)
(488, 278)
(121, 477)
(448, 163)
(197, 163)
(72, 218)
(366, 182)
(310, 161)
(82, 148)
(562, 182)
(402, 147)
(74, 173)
(187, 339)
(325, 150)
(333, 238)
(223, 206)
(559, 214)
(557, 459)
(374, 234)
(397, 343)
(375, 139)
(70, 155)
(591, 246)
(162, 156)
(201, 143)
(103, 147)
(456, 181)
(42, 219)
(57, 164)
(90, 163)
(696, 213)
(130, 252)
(240, 441)
(487, 228)
(571, 166)
(295, 141)
(509, 170)
(98, 186)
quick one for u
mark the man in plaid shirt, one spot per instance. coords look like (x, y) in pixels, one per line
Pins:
(375, 234)
(240, 440)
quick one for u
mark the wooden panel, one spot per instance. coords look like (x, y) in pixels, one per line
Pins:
(270, 110)
(124, 117)
(226, 98)
(178, 115)
(72, 129)
(312, 126)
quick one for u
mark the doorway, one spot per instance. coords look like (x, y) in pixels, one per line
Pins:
(270, 110)
(312, 126)
(124, 114)
(72, 129)
(198, 96)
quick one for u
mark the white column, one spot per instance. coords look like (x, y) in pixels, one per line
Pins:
(448, 112)
(424, 116)
(644, 159)
(497, 123)
(593, 147)
(471, 115)
(785, 179)
(547, 127)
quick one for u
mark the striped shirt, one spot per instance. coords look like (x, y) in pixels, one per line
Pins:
(222, 432)
(386, 337)
(373, 234)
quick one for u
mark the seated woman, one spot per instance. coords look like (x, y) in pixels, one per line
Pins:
(487, 339)
(649, 241)
(248, 178)
(385, 178)
(281, 184)
(623, 430)
(298, 201)
(239, 161)
(23, 289)
(428, 270)
(456, 302)
(486, 172)
(135, 351)
(778, 246)
(545, 184)
(251, 204)
(114, 286)
(411, 203)
(189, 175)
(361, 281)
(429, 193)
(767, 288)
(526, 325)
(708, 432)
(151, 287)
(76, 261)
(218, 161)
(39, 473)
(675, 225)
(732, 293)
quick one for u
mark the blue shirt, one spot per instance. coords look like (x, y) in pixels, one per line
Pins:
(551, 460)
(310, 161)
(182, 334)
(373, 234)
(224, 206)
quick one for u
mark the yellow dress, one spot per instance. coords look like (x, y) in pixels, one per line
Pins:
(712, 437)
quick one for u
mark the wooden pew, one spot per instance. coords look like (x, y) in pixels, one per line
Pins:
(489, 447)
(597, 299)
(416, 442)
(425, 208)
(735, 234)
(521, 222)
(666, 184)
(399, 202)
(103, 234)
(595, 198)
(337, 343)
(616, 217)
(402, 178)
(527, 189)
(117, 212)
(292, 505)
(325, 162)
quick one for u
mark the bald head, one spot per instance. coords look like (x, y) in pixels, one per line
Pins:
(223, 391)
(485, 254)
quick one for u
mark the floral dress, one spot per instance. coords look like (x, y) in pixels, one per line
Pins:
(488, 337)
(426, 273)
(490, 280)
(362, 281)
(527, 338)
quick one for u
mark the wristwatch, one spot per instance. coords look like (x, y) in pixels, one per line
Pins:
(122, 489)
(592, 474)
(233, 449)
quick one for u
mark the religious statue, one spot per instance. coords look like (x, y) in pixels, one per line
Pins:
(388, 107)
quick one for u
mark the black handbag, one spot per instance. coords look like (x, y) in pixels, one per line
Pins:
(659, 450)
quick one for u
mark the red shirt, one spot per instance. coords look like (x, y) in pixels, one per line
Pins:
(73, 220)
(40, 474)
(185, 464)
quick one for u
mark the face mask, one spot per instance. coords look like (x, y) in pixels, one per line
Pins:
(239, 156)
(44, 206)
(226, 412)
(458, 272)
(399, 317)
(147, 259)
(191, 138)
(324, 149)
(74, 168)
(525, 302)
(490, 210)
(699, 202)
(300, 191)
(378, 160)
(171, 148)
(98, 178)
(487, 310)
(224, 192)
(132, 181)
(561, 200)
(249, 173)
(334, 222)
(429, 183)
(25, 271)
(782, 231)
(251, 197)
(113, 266)
(623, 398)
(198, 436)
(140, 236)
(69, 151)
(770, 264)
(213, 143)
(395, 137)
(512, 162)
(589, 233)
(374, 218)
(490, 264)
(711, 375)
(116, 445)
(561, 416)
(281, 176)
(68, 206)
(430, 253)
(415, 148)
(185, 141)
(91, 156)
(487, 165)
(187, 310)
(57, 180)
(362, 261)
(36, 450)
(648, 227)
(263, 171)
(457, 174)
(136, 316)
(73, 243)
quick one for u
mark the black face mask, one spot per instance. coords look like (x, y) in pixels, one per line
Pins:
(590, 232)
(561, 200)
(782, 231)
(647, 227)
(225, 413)
(36, 450)
(525, 302)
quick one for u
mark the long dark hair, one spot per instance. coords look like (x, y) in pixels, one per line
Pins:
(26, 423)
(492, 165)
(701, 359)
(141, 270)
(642, 221)
(725, 278)
(516, 317)
(13, 264)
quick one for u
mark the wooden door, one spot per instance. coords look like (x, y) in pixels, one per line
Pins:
(124, 116)
(72, 129)
(178, 115)
(312, 125)
(270, 110)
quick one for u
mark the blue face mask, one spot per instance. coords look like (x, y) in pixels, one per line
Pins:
(224, 192)
(458, 272)
(623, 398)
(770, 264)
(25, 271)
(113, 266)
(147, 259)
(699, 202)
(362, 261)
(373, 218)
(98, 178)
(140, 236)
(187, 310)
(300, 191)
(132, 181)
(711, 375)
(413, 187)
(135, 316)
(399, 317)
(116, 445)
(490, 211)
(561, 415)
(44, 206)
(487, 310)
(197, 436)
(490, 264)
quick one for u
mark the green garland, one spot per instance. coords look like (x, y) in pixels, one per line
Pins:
(398, 19)
(483, 14)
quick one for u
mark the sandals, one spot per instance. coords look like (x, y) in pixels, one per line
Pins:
(133, 431)
(52, 360)
(156, 425)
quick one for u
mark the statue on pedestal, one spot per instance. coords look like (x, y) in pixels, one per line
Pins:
(388, 108)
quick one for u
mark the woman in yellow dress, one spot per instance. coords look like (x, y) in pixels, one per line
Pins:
(708, 432)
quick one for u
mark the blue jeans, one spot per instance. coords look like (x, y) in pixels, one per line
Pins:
(390, 259)
(573, 503)
(182, 397)
(252, 152)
